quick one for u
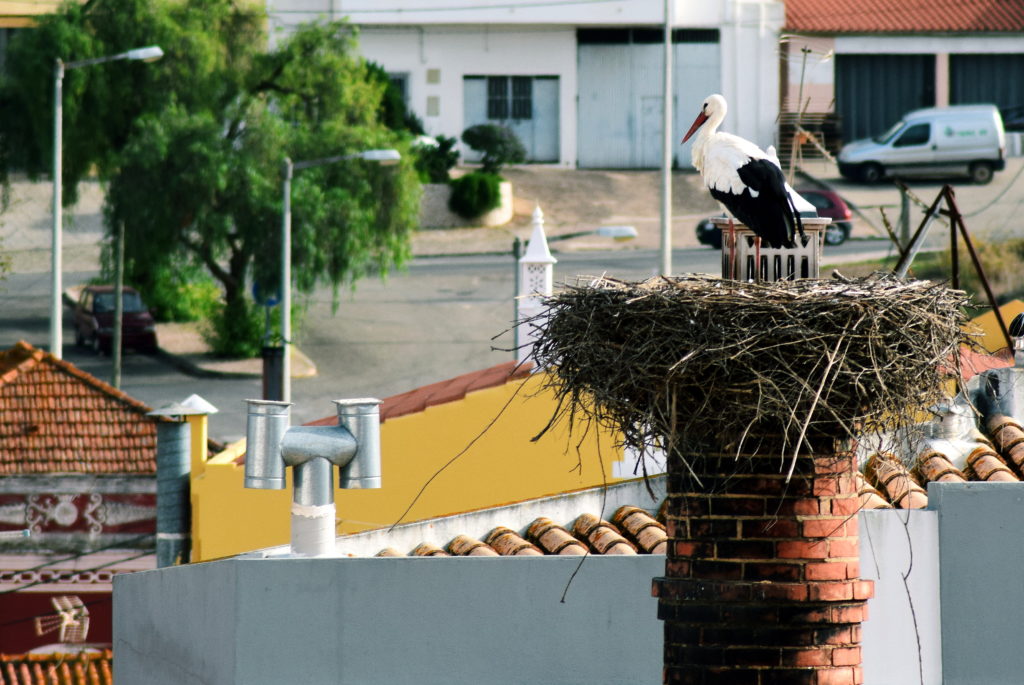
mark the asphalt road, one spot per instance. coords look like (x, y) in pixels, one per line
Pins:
(442, 317)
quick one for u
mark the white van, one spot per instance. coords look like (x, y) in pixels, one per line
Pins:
(966, 140)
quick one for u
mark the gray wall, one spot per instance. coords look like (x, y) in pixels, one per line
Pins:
(981, 551)
(390, 620)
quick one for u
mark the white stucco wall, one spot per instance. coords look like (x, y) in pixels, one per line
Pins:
(449, 53)
(522, 37)
(901, 616)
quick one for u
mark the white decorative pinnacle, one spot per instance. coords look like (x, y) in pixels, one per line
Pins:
(537, 251)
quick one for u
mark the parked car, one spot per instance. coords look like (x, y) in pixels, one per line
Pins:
(827, 202)
(938, 141)
(94, 320)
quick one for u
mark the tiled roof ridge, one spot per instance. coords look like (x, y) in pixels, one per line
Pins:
(904, 16)
(444, 391)
(58, 656)
(35, 356)
(584, 534)
(81, 668)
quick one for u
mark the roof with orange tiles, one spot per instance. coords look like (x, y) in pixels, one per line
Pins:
(619, 519)
(56, 418)
(997, 456)
(67, 669)
(904, 16)
(442, 392)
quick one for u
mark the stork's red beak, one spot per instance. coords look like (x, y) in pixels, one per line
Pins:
(701, 118)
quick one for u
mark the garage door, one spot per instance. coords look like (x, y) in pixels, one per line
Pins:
(874, 91)
(982, 79)
(620, 92)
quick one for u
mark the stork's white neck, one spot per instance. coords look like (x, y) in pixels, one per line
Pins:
(700, 143)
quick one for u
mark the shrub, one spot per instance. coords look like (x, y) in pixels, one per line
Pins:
(475, 194)
(236, 331)
(434, 161)
(498, 144)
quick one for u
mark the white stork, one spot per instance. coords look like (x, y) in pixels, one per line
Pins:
(746, 180)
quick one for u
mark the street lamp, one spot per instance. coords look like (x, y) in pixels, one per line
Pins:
(383, 157)
(149, 53)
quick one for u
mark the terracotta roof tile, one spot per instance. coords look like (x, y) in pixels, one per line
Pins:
(55, 418)
(602, 536)
(509, 543)
(553, 538)
(66, 669)
(904, 16)
(888, 474)
(449, 390)
(642, 529)
(465, 546)
(972, 363)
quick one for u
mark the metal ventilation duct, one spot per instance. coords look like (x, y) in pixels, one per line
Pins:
(353, 446)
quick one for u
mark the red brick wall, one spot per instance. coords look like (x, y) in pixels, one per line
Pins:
(762, 576)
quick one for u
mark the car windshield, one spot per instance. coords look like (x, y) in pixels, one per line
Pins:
(132, 302)
(888, 135)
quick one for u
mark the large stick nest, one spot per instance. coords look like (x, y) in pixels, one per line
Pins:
(696, 362)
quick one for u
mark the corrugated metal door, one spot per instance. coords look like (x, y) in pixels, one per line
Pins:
(620, 94)
(526, 104)
(874, 91)
(984, 79)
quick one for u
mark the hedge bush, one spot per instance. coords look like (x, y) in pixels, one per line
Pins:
(498, 144)
(475, 194)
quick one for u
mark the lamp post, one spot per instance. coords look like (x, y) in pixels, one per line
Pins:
(383, 157)
(150, 53)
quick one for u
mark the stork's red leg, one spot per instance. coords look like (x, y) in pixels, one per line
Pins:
(732, 250)
(757, 257)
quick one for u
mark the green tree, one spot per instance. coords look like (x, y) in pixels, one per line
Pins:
(191, 147)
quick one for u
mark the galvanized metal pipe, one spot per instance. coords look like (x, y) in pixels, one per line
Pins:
(266, 425)
(313, 451)
(173, 544)
(362, 419)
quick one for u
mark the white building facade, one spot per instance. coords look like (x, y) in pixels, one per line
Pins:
(580, 81)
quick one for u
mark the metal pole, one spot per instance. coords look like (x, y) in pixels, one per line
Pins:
(517, 252)
(115, 379)
(666, 149)
(904, 217)
(286, 284)
(56, 323)
(915, 243)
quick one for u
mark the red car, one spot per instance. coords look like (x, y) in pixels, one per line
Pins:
(826, 202)
(94, 320)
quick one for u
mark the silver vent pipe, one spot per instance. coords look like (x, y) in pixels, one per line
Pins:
(1000, 392)
(353, 445)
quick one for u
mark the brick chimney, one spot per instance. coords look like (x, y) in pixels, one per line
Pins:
(762, 576)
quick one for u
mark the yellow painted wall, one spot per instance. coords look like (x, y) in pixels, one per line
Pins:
(502, 466)
(992, 337)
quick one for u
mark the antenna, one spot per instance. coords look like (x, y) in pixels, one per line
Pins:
(72, 619)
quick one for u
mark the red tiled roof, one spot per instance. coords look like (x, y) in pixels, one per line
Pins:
(55, 418)
(972, 363)
(904, 16)
(889, 482)
(442, 392)
(66, 669)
